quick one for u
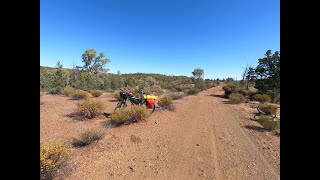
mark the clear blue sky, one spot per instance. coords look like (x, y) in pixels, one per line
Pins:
(166, 37)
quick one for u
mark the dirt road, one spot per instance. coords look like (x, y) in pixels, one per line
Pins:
(203, 139)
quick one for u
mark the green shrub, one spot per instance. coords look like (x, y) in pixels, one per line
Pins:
(268, 123)
(96, 93)
(89, 136)
(90, 108)
(236, 98)
(129, 115)
(52, 157)
(79, 94)
(244, 92)
(193, 91)
(121, 116)
(139, 112)
(67, 91)
(227, 91)
(165, 101)
(56, 90)
(268, 109)
(262, 98)
(226, 88)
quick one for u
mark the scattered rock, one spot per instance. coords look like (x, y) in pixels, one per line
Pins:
(132, 170)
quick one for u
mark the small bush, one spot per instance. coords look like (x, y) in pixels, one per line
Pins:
(129, 115)
(56, 90)
(227, 91)
(52, 157)
(89, 91)
(268, 109)
(268, 123)
(79, 94)
(67, 91)
(90, 108)
(262, 98)
(89, 136)
(171, 107)
(41, 95)
(165, 101)
(176, 96)
(226, 88)
(193, 91)
(236, 98)
(139, 112)
(96, 93)
(116, 94)
(277, 132)
(121, 116)
(135, 139)
(244, 92)
(155, 90)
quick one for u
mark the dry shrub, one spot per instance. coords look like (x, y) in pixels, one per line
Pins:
(268, 109)
(165, 101)
(56, 90)
(135, 139)
(269, 123)
(89, 136)
(90, 108)
(116, 94)
(96, 93)
(67, 91)
(193, 91)
(79, 94)
(262, 98)
(41, 95)
(129, 115)
(236, 98)
(171, 107)
(52, 157)
(177, 95)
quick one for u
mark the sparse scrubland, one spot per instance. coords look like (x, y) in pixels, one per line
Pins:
(197, 109)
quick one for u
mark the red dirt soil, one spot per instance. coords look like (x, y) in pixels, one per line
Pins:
(204, 138)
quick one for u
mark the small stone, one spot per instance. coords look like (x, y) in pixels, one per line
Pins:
(131, 168)
(197, 144)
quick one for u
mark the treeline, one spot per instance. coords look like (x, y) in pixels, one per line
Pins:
(58, 77)
(265, 78)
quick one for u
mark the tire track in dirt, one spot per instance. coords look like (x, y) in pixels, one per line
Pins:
(238, 156)
(252, 145)
(200, 140)
(219, 174)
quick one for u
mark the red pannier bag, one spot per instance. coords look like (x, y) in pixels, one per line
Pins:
(150, 103)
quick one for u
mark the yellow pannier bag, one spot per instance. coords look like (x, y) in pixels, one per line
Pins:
(150, 96)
